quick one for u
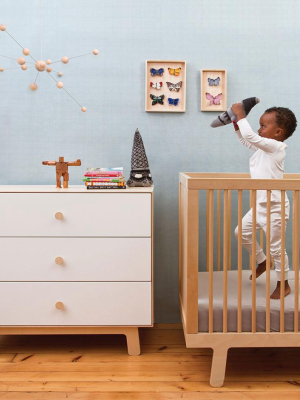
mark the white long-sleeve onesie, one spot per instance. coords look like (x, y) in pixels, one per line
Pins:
(266, 163)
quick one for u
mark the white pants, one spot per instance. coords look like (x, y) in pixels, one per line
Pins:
(275, 234)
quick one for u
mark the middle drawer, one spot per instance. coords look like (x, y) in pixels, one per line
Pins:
(75, 259)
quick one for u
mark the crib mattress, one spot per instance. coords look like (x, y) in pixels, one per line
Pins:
(246, 303)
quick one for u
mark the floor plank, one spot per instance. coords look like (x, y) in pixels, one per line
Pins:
(166, 386)
(148, 396)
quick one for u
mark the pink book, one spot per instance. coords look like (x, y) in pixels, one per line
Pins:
(103, 174)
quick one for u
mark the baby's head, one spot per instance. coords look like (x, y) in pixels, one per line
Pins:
(277, 123)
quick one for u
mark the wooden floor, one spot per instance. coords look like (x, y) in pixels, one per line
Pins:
(98, 367)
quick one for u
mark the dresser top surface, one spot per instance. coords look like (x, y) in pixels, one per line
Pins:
(70, 189)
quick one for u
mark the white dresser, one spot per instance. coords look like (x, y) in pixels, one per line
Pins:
(76, 261)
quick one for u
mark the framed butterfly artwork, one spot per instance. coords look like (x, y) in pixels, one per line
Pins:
(165, 86)
(213, 90)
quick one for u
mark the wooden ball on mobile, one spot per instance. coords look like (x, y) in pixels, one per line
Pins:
(83, 109)
(21, 60)
(26, 51)
(49, 69)
(24, 67)
(95, 51)
(1, 69)
(60, 74)
(33, 86)
(65, 60)
(2, 27)
(40, 65)
(59, 85)
(48, 61)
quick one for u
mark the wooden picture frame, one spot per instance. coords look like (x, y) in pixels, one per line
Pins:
(213, 90)
(164, 90)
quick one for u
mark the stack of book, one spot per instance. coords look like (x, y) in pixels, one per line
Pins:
(104, 178)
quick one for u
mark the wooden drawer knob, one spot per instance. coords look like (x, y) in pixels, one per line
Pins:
(59, 215)
(59, 305)
(59, 260)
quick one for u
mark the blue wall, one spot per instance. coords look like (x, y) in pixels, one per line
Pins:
(253, 40)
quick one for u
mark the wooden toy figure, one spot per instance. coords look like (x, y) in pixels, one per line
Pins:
(62, 170)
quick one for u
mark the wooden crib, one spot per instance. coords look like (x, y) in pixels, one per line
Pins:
(222, 267)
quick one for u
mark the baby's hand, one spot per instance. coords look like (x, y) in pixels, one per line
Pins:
(238, 109)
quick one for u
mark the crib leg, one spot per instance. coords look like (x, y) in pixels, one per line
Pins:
(218, 366)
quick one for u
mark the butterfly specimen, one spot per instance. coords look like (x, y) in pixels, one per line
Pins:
(156, 85)
(159, 71)
(213, 82)
(173, 101)
(175, 71)
(157, 99)
(212, 99)
(174, 87)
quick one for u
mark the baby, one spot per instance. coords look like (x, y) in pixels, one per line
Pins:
(276, 125)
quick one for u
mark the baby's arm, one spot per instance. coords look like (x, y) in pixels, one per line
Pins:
(269, 146)
(241, 139)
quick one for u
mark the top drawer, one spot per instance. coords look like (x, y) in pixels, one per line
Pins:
(83, 214)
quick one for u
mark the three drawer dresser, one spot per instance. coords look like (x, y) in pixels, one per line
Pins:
(76, 261)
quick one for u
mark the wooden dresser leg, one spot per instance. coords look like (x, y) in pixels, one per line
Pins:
(218, 367)
(133, 341)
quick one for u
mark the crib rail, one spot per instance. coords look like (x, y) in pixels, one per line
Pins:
(191, 184)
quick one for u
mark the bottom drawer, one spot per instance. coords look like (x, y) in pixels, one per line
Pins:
(84, 303)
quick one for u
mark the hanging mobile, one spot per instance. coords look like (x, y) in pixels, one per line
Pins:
(41, 65)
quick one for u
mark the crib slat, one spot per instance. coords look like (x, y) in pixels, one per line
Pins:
(225, 259)
(211, 259)
(229, 230)
(253, 261)
(250, 205)
(296, 257)
(218, 230)
(293, 232)
(207, 228)
(282, 283)
(268, 261)
(240, 216)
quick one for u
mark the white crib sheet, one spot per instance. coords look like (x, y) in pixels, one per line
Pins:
(246, 303)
